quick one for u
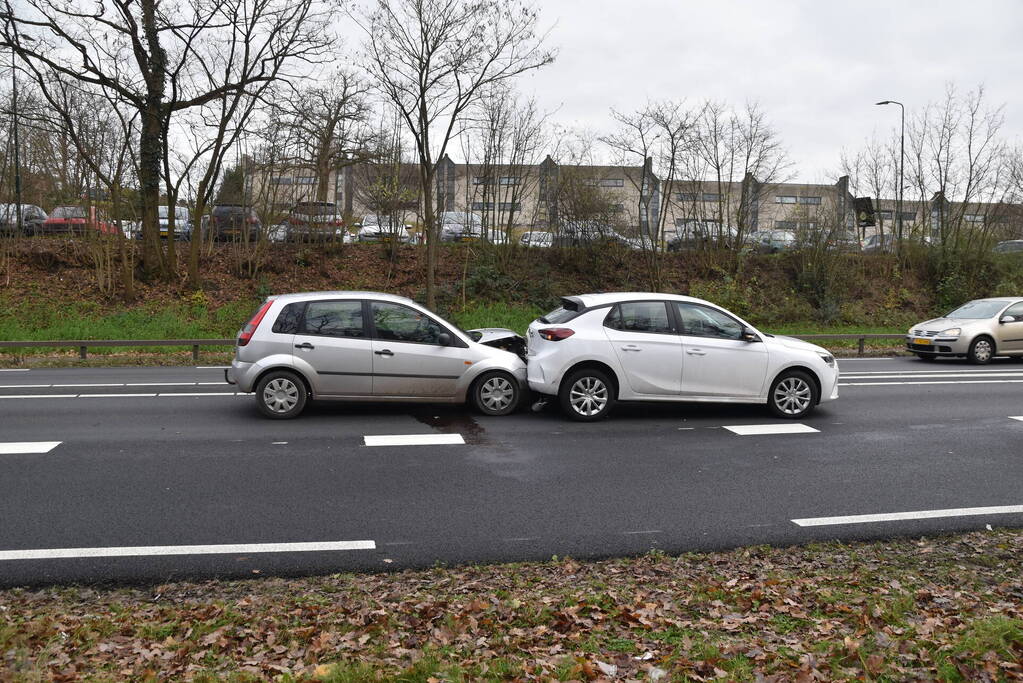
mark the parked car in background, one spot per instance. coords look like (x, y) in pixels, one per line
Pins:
(459, 226)
(368, 346)
(182, 222)
(703, 235)
(313, 222)
(376, 228)
(536, 238)
(844, 240)
(1008, 247)
(32, 219)
(876, 244)
(77, 220)
(597, 349)
(233, 222)
(592, 233)
(775, 241)
(978, 331)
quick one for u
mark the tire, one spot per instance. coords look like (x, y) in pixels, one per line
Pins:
(495, 393)
(927, 356)
(281, 395)
(587, 395)
(793, 395)
(982, 350)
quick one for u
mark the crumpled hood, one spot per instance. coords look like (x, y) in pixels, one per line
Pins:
(793, 343)
(500, 338)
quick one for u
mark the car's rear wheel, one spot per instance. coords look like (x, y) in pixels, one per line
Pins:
(587, 395)
(793, 395)
(926, 356)
(281, 395)
(982, 350)
(495, 393)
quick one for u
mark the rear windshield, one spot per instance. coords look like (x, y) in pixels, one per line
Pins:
(977, 310)
(559, 315)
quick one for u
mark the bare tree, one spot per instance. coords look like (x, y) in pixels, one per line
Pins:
(162, 59)
(873, 172)
(432, 59)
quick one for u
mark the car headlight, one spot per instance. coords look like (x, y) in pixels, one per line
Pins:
(950, 332)
(828, 359)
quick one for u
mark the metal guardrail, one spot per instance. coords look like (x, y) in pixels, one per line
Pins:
(84, 344)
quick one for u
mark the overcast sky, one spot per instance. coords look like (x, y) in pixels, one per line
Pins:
(815, 66)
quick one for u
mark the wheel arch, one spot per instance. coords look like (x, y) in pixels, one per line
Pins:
(814, 377)
(287, 368)
(595, 365)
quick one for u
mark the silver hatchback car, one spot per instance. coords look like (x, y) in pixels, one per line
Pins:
(368, 346)
(978, 330)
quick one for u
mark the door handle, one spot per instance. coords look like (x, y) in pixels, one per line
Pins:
(306, 345)
(631, 347)
(385, 352)
(696, 352)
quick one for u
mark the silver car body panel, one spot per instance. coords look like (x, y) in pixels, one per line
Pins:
(927, 338)
(350, 368)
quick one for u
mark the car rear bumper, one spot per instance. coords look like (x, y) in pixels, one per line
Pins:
(242, 375)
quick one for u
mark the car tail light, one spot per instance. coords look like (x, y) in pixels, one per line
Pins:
(246, 334)
(555, 333)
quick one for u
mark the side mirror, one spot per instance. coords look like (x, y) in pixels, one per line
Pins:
(1006, 319)
(748, 335)
(444, 339)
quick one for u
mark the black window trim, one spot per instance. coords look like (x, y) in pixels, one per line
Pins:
(367, 317)
(672, 320)
(681, 327)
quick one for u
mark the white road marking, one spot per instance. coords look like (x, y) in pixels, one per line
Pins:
(116, 395)
(202, 393)
(931, 371)
(40, 396)
(933, 376)
(25, 386)
(24, 447)
(162, 384)
(757, 430)
(1016, 417)
(157, 550)
(14, 369)
(917, 514)
(965, 381)
(414, 440)
(212, 367)
(72, 386)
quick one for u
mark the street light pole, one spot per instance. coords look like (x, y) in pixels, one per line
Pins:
(902, 168)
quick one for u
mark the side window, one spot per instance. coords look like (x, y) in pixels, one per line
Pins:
(700, 321)
(401, 323)
(640, 316)
(290, 319)
(1016, 311)
(334, 318)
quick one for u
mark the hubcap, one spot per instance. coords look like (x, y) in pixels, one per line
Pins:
(982, 350)
(280, 395)
(792, 395)
(497, 393)
(588, 396)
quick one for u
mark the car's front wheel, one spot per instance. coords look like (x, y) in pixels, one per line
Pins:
(982, 350)
(281, 395)
(586, 395)
(495, 393)
(793, 395)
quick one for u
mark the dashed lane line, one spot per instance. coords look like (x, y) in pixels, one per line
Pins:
(138, 395)
(759, 430)
(414, 440)
(916, 514)
(14, 369)
(965, 381)
(27, 447)
(932, 376)
(163, 550)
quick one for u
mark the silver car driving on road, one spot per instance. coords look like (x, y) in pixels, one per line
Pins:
(368, 346)
(978, 330)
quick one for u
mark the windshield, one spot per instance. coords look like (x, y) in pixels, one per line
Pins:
(976, 310)
(68, 212)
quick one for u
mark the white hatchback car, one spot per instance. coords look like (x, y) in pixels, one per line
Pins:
(597, 349)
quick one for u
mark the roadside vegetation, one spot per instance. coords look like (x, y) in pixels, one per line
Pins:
(946, 608)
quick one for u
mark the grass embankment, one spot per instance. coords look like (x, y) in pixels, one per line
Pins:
(941, 608)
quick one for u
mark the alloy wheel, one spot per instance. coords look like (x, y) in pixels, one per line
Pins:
(793, 395)
(588, 396)
(280, 395)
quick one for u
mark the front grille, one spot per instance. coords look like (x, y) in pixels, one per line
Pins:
(924, 333)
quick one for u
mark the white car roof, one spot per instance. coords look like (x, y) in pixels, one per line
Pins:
(590, 300)
(383, 296)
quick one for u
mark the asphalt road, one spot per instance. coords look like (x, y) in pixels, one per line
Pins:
(164, 467)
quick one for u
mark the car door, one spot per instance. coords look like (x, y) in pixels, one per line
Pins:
(718, 363)
(1010, 334)
(647, 346)
(333, 338)
(409, 358)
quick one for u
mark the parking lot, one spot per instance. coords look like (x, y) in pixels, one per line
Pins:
(143, 474)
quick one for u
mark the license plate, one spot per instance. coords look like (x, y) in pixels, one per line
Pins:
(924, 342)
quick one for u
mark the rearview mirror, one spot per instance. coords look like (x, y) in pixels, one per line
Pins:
(748, 335)
(1007, 319)
(444, 339)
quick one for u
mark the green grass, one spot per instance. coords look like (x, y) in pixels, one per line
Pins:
(515, 318)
